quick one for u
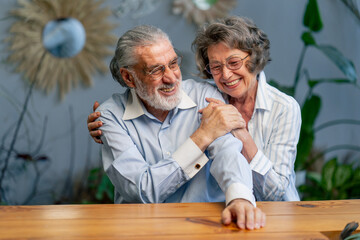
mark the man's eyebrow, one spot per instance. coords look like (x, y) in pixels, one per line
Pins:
(153, 66)
(157, 65)
(174, 58)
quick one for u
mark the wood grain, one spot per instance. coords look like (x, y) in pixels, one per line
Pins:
(285, 220)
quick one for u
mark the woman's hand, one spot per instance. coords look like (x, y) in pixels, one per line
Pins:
(93, 125)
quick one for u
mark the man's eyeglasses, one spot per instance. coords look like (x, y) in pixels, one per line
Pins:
(233, 62)
(157, 72)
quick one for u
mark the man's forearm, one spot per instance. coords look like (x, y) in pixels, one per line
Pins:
(230, 168)
(202, 139)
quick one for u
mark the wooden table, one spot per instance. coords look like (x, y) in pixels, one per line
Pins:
(285, 220)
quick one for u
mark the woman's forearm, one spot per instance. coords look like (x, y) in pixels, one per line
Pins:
(249, 147)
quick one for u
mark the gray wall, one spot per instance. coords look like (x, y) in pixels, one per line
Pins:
(280, 19)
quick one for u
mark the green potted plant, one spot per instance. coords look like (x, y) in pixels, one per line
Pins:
(336, 181)
(312, 103)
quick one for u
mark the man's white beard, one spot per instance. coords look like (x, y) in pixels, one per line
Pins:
(154, 99)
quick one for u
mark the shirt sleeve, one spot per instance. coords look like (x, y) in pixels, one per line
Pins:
(272, 177)
(133, 177)
(190, 158)
(229, 167)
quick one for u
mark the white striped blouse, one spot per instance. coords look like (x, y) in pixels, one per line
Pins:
(275, 129)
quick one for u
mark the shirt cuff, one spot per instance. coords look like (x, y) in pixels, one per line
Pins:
(260, 163)
(190, 158)
(239, 190)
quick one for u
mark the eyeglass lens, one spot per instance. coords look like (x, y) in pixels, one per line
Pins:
(159, 71)
(232, 63)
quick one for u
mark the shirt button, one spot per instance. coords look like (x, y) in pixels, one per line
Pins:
(197, 166)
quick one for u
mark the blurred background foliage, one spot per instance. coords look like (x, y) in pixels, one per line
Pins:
(325, 178)
(335, 181)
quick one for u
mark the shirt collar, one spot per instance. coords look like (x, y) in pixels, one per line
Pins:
(134, 107)
(262, 99)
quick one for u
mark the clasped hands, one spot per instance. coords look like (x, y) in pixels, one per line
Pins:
(219, 119)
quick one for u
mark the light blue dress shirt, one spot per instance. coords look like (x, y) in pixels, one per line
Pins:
(150, 161)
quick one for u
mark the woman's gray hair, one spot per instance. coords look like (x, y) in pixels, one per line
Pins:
(235, 32)
(142, 35)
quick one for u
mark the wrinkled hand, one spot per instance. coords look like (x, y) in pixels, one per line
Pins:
(219, 118)
(219, 102)
(244, 214)
(93, 125)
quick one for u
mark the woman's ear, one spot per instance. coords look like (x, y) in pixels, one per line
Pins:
(128, 78)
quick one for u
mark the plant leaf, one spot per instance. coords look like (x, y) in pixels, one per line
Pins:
(309, 112)
(345, 65)
(353, 237)
(311, 192)
(349, 229)
(343, 173)
(342, 194)
(304, 147)
(105, 187)
(327, 174)
(314, 176)
(92, 178)
(308, 39)
(313, 82)
(356, 173)
(312, 18)
(285, 89)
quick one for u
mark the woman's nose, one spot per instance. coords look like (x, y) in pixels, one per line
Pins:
(226, 73)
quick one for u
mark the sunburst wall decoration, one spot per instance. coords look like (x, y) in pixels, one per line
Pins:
(27, 46)
(202, 11)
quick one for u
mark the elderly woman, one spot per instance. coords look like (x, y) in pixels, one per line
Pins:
(233, 52)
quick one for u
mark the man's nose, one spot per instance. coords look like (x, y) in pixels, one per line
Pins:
(169, 75)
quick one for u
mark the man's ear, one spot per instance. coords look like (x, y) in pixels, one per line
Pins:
(128, 77)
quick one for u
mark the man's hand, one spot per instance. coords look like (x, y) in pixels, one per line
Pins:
(244, 214)
(94, 125)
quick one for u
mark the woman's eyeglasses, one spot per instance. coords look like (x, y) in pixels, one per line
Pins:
(233, 62)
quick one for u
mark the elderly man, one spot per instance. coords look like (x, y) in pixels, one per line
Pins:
(154, 151)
